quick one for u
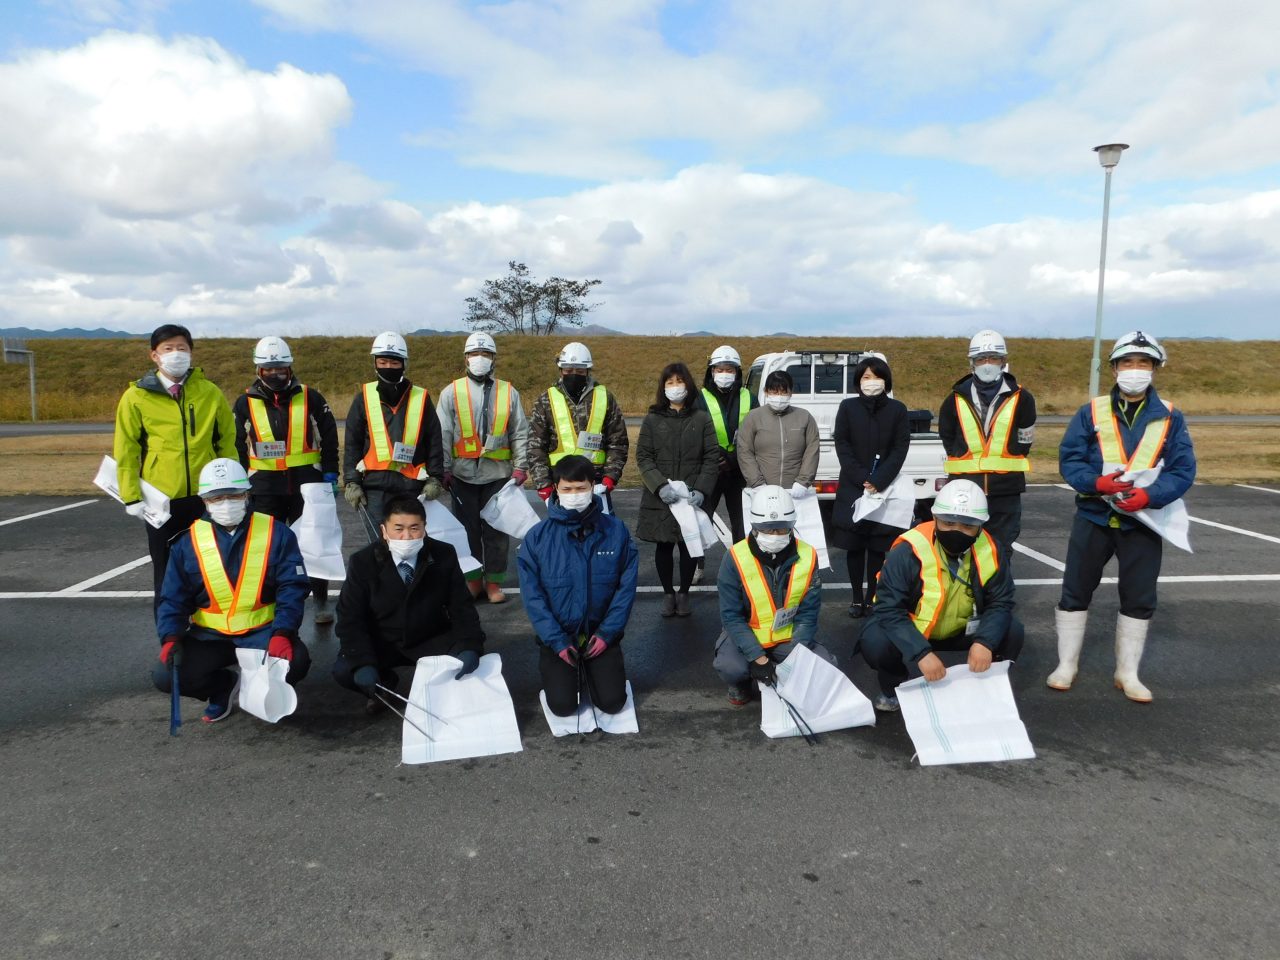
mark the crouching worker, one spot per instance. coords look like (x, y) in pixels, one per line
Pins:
(404, 598)
(234, 579)
(943, 587)
(770, 596)
(578, 571)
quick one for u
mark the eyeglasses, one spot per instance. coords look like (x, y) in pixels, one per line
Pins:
(224, 497)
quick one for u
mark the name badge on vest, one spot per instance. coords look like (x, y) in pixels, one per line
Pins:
(403, 453)
(494, 443)
(971, 627)
(270, 450)
(590, 441)
(782, 619)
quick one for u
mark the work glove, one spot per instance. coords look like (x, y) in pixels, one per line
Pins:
(695, 498)
(354, 494)
(1112, 484)
(446, 480)
(432, 489)
(470, 660)
(1133, 501)
(799, 491)
(171, 652)
(280, 646)
(766, 673)
(545, 492)
(608, 483)
(366, 679)
(519, 476)
(332, 480)
(569, 656)
(667, 494)
(596, 647)
(135, 509)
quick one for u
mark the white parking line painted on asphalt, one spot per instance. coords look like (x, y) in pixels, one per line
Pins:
(1043, 558)
(1246, 533)
(1249, 486)
(109, 575)
(45, 513)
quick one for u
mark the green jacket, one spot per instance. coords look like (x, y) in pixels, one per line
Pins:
(167, 441)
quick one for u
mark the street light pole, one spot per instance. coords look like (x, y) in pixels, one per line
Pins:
(1108, 156)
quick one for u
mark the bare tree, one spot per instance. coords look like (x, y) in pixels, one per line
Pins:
(518, 304)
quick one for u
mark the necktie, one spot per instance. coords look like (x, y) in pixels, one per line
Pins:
(406, 573)
(175, 390)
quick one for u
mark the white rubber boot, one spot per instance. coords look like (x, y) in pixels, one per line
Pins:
(1070, 625)
(1131, 637)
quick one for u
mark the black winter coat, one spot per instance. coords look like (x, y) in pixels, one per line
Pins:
(380, 620)
(673, 446)
(1024, 425)
(428, 444)
(323, 428)
(866, 427)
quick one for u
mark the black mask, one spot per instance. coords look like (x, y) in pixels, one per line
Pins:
(390, 374)
(955, 542)
(275, 381)
(574, 383)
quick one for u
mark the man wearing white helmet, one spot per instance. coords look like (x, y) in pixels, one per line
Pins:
(945, 585)
(577, 417)
(1129, 429)
(286, 437)
(770, 596)
(393, 445)
(987, 425)
(234, 579)
(485, 437)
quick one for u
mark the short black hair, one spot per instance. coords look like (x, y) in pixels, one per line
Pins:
(574, 468)
(168, 331)
(676, 369)
(876, 366)
(411, 506)
(779, 380)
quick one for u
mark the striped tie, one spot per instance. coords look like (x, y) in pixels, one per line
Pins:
(406, 573)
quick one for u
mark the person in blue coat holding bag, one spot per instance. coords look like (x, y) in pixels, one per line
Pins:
(578, 571)
(1130, 428)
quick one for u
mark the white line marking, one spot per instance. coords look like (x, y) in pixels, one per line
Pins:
(1249, 486)
(45, 513)
(90, 594)
(103, 577)
(1247, 533)
(1043, 558)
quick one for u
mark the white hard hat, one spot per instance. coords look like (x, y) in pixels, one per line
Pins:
(222, 476)
(575, 355)
(390, 345)
(961, 501)
(772, 506)
(272, 352)
(480, 341)
(1137, 342)
(725, 354)
(987, 341)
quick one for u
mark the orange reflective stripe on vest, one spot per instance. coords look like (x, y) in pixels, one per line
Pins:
(469, 446)
(763, 609)
(239, 609)
(381, 446)
(986, 561)
(1111, 443)
(987, 454)
(299, 451)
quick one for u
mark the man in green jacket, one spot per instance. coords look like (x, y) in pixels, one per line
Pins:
(169, 425)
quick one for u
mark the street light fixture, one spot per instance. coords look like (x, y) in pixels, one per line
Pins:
(1108, 156)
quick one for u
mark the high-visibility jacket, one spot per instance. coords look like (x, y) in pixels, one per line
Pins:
(985, 562)
(763, 608)
(717, 416)
(1145, 455)
(234, 610)
(567, 433)
(381, 445)
(469, 446)
(300, 451)
(988, 454)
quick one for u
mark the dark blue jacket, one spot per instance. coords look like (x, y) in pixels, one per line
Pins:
(1080, 458)
(578, 575)
(183, 593)
(735, 608)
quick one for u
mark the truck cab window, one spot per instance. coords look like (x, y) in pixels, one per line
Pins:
(801, 376)
(828, 378)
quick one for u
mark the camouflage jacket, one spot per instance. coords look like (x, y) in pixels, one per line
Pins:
(543, 441)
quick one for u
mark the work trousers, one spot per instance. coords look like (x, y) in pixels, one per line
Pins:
(886, 659)
(286, 508)
(605, 678)
(1005, 524)
(488, 545)
(1138, 551)
(734, 668)
(183, 512)
(344, 672)
(205, 670)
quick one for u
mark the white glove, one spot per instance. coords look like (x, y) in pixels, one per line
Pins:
(799, 491)
(135, 509)
(599, 489)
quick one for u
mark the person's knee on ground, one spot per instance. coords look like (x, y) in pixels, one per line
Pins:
(884, 658)
(561, 702)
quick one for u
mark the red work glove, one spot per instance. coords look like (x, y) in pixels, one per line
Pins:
(280, 646)
(1112, 484)
(1133, 502)
(519, 476)
(545, 492)
(446, 480)
(569, 656)
(609, 483)
(596, 647)
(170, 652)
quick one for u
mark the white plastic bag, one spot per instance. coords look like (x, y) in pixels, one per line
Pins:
(1171, 521)
(263, 690)
(450, 719)
(587, 718)
(510, 512)
(319, 533)
(965, 717)
(695, 526)
(155, 504)
(818, 691)
(445, 527)
(893, 507)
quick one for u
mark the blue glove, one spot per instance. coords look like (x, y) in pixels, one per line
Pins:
(332, 480)
(667, 495)
(470, 660)
(366, 679)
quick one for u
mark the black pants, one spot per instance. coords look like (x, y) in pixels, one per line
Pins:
(286, 508)
(204, 671)
(605, 677)
(864, 563)
(729, 487)
(183, 512)
(344, 672)
(1138, 550)
(664, 560)
(1005, 524)
(884, 657)
(488, 545)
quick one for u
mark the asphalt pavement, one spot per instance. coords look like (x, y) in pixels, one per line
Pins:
(1137, 831)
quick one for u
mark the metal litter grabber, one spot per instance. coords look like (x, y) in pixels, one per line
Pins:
(802, 725)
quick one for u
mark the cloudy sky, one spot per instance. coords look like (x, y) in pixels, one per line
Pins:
(820, 166)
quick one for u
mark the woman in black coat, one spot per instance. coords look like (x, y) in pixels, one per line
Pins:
(872, 435)
(677, 442)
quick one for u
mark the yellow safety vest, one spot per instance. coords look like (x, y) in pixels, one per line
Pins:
(239, 609)
(378, 456)
(717, 415)
(1111, 443)
(566, 432)
(468, 445)
(988, 454)
(760, 597)
(986, 561)
(299, 451)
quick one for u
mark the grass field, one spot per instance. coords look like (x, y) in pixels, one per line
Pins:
(83, 379)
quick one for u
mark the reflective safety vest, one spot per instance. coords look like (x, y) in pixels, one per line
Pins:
(988, 454)
(567, 433)
(985, 560)
(717, 415)
(1107, 427)
(239, 609)
(381, 446)
(298, 449)
(469, 445)
(763, 610)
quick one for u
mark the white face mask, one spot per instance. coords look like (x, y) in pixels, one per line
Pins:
(175, 363)
(778, 401)
(576, 501)
(479, 366)
(676, 394)
(989, 372)
(1133, 382)
(405, 551)
(227, 513)
(871, 388)
(723, 380)
(772, 542)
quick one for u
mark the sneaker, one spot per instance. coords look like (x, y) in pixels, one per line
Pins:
(323, 613)
(683, 607)
(886, 704)
(668, 604)
(220, 707)
(739, 695)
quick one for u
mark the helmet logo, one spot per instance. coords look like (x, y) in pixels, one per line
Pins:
(774, 515)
